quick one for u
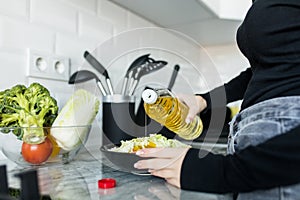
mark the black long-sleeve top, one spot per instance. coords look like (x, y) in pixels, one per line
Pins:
(270, 38)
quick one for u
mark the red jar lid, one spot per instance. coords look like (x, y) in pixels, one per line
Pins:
(106, 183)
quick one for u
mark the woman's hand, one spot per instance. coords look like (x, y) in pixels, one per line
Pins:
(163, 162)
(196, 104)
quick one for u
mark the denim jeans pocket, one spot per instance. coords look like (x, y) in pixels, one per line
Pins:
(255, 133)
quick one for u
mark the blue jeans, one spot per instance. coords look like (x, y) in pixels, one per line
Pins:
(258, 123)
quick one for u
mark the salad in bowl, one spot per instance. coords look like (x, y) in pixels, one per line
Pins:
(122, 157)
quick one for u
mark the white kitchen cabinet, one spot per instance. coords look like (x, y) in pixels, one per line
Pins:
(209, 22)
(228, 9)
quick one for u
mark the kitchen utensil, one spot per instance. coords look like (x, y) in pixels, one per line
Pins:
(144, 70)
(3, 180)
(136, 71)
(173, 77)
(136, 63)
(100, 68)
(85, 75)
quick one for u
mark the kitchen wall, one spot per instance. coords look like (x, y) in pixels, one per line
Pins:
(60, 27)
(69, 27)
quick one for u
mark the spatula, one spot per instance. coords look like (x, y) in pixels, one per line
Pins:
(100, 68)
(85, 75)
(144, 70)
(136, 63)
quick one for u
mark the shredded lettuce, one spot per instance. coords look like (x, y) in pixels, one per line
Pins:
(151, 141)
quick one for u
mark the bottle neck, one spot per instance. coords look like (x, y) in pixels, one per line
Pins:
(164, 92)
(150, 96)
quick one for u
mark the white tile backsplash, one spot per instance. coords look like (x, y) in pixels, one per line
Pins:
(74, 47)
(228, 60)
(111, 11)
(84, 5)
(13, 68)
(55, 14)
(94, 27)
(114, 13)
(14, 8)
(21, 34)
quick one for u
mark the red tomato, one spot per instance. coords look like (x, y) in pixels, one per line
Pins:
(37, 153)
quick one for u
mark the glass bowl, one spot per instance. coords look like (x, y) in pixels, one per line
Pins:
(44, 153)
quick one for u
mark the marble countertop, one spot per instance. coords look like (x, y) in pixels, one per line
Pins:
(78, 180)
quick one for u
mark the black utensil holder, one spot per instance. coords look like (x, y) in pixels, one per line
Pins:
(119, 119)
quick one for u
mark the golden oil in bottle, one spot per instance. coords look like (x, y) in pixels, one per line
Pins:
(161, 106)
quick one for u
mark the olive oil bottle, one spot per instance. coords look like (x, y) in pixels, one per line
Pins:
(161, 106)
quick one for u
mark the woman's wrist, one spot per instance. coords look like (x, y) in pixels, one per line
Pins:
(201, 102)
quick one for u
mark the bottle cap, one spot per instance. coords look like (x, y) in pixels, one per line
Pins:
(106, 183)
(149, 96)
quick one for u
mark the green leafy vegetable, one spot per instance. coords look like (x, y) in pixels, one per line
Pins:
(151, 141)
(27, 107)
(80, 110)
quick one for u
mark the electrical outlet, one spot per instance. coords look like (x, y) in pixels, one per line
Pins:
(49, 66)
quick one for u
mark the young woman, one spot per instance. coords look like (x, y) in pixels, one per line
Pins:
(263, 160)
